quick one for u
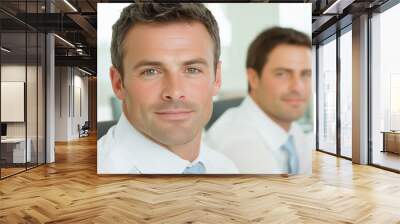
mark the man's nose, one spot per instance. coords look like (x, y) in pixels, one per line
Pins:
(173, 88)
(296, 83)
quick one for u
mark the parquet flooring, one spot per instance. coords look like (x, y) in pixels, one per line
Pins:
(9, 171)
(70, 191)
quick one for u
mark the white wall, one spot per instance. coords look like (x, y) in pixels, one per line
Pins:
(33, 126)
(67, 115)
(61, 103)
(80, 84)
(238, 18)
(12, 73)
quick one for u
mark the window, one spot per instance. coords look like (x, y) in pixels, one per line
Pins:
(327, 96)
(385, 89)
(346, 94)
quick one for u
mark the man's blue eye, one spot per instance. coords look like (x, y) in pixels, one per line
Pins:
(192, 70)
(150, 72)
(280, 73)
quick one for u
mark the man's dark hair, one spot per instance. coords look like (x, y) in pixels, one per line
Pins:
(147, 12)
(265, 42)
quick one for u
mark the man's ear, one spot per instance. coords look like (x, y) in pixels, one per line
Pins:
(252, 78)
(117, 83)
(217, 81)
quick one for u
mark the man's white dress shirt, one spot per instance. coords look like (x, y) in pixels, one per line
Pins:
(253, 141)
(124, 150)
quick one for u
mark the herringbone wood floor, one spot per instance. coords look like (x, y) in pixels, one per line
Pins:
(70, 191)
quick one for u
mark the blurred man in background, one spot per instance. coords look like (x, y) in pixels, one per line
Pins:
(261, 135)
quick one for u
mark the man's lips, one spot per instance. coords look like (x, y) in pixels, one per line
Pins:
(294, 101)
(174, 114)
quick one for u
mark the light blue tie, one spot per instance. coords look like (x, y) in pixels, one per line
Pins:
(198, 168)
(293, 160)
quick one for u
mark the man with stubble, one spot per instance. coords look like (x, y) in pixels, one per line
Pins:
(165, 70)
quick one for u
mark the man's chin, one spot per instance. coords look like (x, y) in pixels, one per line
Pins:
(174, 136)
(176, 140)
(290, 115)
(293, 117)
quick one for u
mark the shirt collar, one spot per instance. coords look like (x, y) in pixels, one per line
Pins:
(271, 131)
(136, 151)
